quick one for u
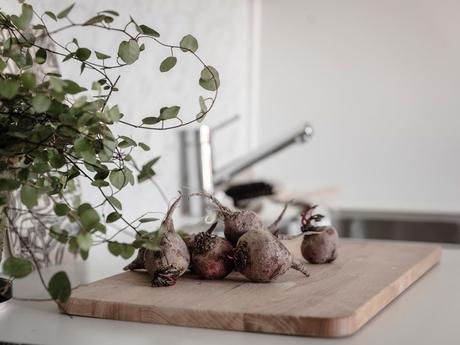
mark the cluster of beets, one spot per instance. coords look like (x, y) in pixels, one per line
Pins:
(249, 247)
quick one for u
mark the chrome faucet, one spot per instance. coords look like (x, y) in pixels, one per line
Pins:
(197, 169)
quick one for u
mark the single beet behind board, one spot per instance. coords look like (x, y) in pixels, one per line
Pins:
(336, 300)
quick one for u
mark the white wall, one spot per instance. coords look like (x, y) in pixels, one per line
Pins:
(380, 82)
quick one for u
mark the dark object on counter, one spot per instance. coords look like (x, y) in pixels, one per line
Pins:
(247, 191)
(6, 290)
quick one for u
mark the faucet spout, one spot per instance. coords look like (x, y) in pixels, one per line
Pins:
(197, 172)
(230, 170)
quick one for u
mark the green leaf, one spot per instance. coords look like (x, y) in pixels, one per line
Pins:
(118, 178)
(84, 241)
(167, 113)
(89, 218)
(57, 84)
(7, 184)
(28, 80)
(114, 248)
(100, 183)
(102, 173)
(9, 88)
(72, 87)
(121, 249)
(151, 120)
(68, 57)
(56, 159)
(203, 106)
(2, 65)
(113, 217)
(41, 103)
(189, 43)
(40, 56)
(147, 172)
(144, 29)
(101, 56)
(209, 78)
(96, 19)
(25, 18)
(145, 147)
(51, 15)
(168, 63)
(82, 144)
(126, 142)
(111, 12)
(29, 196)
(126, 251)
(114, 113)
(147, 220)
(84, 254)
(17, 267)
(83, 54)
(58, 234)
(115, 202)
(61, 209)
(128, 51)
(59, 287)
(65, 13)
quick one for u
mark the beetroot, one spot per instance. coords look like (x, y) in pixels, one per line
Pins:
(211, 256)
(261, 257)
(236, 223)
(170, 260)
(319, 244)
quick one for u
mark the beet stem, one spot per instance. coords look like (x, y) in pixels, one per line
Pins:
(211, 197)
(167, 222)
(272, 228)
(212, 228)
(309, 233)
(286, 237)
(299, 266)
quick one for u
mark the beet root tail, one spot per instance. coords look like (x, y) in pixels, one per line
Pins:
(299, 266)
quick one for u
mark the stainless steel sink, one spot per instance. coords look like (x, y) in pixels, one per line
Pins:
(398, 226)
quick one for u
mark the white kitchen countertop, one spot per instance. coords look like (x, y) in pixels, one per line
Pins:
(427, 313)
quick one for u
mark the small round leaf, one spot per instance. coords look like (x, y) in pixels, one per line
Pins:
(189, 43)
(17, 267)
(168, 63)
(59, 287)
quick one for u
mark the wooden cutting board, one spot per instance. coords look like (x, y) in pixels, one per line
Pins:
(337, 299)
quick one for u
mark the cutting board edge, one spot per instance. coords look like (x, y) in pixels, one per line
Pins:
(247, 322)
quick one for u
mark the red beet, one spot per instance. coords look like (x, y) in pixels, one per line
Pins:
(236, 223)
(261, 257)
(170, 260)
(211, 255)
(319, 244)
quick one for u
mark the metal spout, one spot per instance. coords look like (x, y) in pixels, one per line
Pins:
(230, 170)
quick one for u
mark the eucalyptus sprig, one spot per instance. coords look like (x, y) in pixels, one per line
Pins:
(53, 130)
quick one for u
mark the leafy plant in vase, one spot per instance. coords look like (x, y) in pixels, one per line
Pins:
(53, 130)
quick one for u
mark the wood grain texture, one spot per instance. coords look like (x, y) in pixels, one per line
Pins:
(336, 300)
